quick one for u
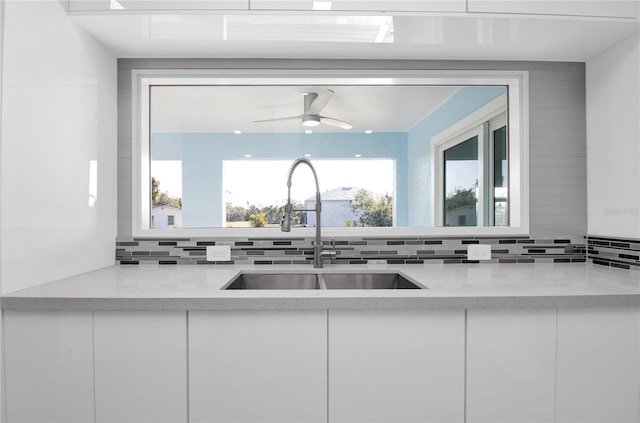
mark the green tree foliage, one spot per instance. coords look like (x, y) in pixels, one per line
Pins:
(271, 214)
(459, 198)
(258, 220)
(235, 213)
(298, 217)
(372, 210)
(162, 198)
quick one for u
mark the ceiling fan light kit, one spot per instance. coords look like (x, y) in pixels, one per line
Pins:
(311, 120)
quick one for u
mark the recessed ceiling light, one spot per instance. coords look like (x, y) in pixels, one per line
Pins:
(358, 156)
(247, 156)
(368, 131)
(322, 5)
(307, 155)
(308, 131)
(237, 132)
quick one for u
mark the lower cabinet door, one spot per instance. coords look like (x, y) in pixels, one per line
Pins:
(258, 366)
(598, 365)
(140, 366)
(396, 366)
(48, 362)
(511, 366)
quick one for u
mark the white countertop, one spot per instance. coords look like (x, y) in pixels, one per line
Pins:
(153, 287)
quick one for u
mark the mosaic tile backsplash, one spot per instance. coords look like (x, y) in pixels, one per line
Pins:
(352, 250)
(614, 252)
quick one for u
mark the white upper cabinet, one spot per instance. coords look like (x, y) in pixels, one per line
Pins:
(363, 5)
(602, 8)
(156, 5)
(584, 8)
(275, 5)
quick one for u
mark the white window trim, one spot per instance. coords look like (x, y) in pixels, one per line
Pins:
(518, 102)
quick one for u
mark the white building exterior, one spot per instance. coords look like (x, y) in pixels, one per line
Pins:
(164, 217)
(336, 207)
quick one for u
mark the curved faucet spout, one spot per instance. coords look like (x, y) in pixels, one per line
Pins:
(293, 167)
(285, 224)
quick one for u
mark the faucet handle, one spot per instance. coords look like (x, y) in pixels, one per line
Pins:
(331, 253)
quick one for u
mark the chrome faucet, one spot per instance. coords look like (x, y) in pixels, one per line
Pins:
(285, 224)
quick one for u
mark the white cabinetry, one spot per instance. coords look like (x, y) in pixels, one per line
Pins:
(511, 365)
(258, 366)
(276, 5)
(140, 367)
(49, 366)
(593, 8)
(577, 365)
(598, 365)
(369, 5)
(157, 5)
(396, 366)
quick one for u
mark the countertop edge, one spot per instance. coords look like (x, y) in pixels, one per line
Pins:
(365, 303)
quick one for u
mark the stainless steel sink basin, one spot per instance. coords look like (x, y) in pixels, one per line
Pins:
(275, 281)
(325, 280)
(368, 281)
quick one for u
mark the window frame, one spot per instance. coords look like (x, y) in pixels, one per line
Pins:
(516, 81)
(475, 124)
(497, 122)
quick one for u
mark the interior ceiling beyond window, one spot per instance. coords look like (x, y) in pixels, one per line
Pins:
(233, 108)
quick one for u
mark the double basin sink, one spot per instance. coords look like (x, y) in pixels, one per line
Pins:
(324, 280)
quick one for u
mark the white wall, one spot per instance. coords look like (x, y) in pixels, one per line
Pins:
(58, 117)
(613, 141)
(3, 409)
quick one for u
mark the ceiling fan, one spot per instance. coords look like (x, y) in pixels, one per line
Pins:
(313, 105)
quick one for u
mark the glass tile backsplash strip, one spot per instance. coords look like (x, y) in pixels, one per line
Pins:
(623, 253)
(352, 250)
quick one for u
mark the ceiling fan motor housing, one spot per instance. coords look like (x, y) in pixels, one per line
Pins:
(309, 98)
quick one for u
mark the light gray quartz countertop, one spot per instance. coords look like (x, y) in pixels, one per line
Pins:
(154, 287)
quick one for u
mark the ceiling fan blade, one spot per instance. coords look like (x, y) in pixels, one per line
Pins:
(321, 101)
(278, 119)
(335, 122)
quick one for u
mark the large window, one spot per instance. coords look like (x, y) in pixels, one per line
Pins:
(215, 148)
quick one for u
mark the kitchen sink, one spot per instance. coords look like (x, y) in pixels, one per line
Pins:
(326, 280)
(275, 281)
(368, 281)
